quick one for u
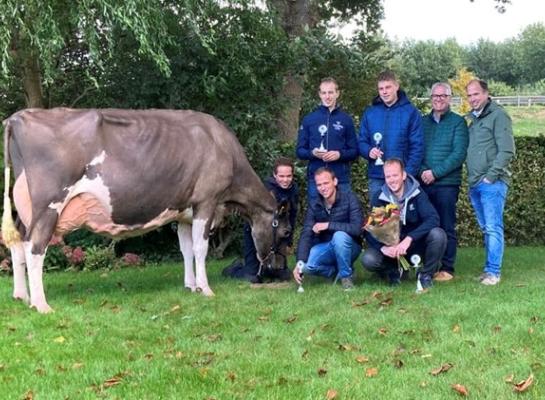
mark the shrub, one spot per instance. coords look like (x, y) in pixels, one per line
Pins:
(97, 257)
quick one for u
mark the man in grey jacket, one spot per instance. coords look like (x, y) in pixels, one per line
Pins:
(491, 148)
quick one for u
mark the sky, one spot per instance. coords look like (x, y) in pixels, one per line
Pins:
(464, 20)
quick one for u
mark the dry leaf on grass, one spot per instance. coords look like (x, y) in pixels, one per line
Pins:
(331, 394)
(370, 372)
(362, 359)
(461, 389)
(383, 331)
(509, 378)
(398, 363)
(322, 371)
(291, 319)
(523, 385)
(114, 380)
(441, 369)
(59, 339)
(360, 303)
(231, 376)
(29, 395)
(456, 328)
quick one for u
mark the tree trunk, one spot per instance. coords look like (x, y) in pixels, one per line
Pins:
(32, 79)
(295, 16)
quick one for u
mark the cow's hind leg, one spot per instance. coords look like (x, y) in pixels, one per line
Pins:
(34, 264)
(186, 247)
(20, 291)
(200, 249)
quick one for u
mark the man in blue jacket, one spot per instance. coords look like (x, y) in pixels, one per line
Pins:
(390, 127)
(327, 139)
(282, 186)
(330, 241)
(419, 234)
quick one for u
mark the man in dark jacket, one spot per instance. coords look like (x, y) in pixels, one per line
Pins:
(390, 127)
(419, 234)
(445, 139)
(327, 139)
(330, 241)
(281, 185)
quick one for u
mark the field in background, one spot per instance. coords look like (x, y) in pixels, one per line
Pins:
(528, 121)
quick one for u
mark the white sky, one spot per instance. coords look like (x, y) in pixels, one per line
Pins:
(466, 21)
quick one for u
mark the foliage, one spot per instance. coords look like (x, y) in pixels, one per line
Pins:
(458, 85)
(532, 52)
(99, 257)
(500, 89)
(133, 333)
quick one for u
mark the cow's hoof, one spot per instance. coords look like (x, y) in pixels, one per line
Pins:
(21, 297)
(190, 288)
(205, 291)
(42, 308)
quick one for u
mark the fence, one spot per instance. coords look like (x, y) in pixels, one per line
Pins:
(519, 101)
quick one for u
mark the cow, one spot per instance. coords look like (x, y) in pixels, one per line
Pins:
(122, 173)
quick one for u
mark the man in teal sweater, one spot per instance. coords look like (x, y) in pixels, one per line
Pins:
(445, 147)
(491, 148)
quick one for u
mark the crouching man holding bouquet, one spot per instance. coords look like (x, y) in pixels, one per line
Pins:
(419, 231)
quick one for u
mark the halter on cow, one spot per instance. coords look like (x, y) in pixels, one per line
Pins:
(121, 173)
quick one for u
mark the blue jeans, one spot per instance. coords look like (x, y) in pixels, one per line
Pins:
(313, 191)
(333, 258)
(375, 186)
(488, 200)
(444, 199)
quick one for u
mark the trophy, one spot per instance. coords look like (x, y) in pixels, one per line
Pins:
(300, 289)
(323, 130)
(415, 261)
(378, 138)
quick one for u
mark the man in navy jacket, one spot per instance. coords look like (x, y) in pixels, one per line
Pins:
(419, 234)
(330, 241)
(327, 139)
(390, 127)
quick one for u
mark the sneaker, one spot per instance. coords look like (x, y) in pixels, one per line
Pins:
(425, 282)
(442, 276)
(481, 277)
(347, 284)
(490, 279)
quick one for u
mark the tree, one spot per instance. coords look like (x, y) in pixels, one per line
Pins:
(532, 53)
(34, 34)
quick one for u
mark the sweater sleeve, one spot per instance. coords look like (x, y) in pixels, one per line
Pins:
(428, 216)
(364, 140)
(416, 143)
(305, 240)
(350, 151)
(303, 150)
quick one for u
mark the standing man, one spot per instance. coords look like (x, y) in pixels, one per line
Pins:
(390, 127)
(491, 148)
(419, 234)
(330, 241)
(445, 143)
(327, 139)
(282, 186)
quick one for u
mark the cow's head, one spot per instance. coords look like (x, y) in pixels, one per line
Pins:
(270, 236)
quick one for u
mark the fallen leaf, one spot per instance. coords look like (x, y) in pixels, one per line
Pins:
(114, 380)
(231, 376)
(441, 369)
(370, 372)
(175, 308)
(497, 329)
(360, 303)
(423, 384)
(398, 363)
(534, 319)
(59, 339)
(291, 319)
(376, 294)
(346, 347)
(362, 359)
(61, 368)
(523, 385)
(387, 302)
(263, 318)
(79, 301)
(425, 355)
(77, 365)
(456, 328)
(383, 331)
(461, 389)
(214, 337)
(322, 371)
(29, 395)
(39, 371)
(530, 330)
(331, 394)
(509, 378)
(408, 332)
(148, 356)
(305, 354)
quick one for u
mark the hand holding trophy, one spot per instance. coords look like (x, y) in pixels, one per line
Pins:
(377, 137)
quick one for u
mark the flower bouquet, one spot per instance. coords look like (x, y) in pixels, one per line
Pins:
(383, 224)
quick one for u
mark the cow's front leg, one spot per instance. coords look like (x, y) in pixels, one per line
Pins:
(200, 249)
(34, 264)
(20, 291)
(186, 247)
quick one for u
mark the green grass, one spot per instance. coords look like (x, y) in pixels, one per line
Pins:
(528, 121)
(164, 343)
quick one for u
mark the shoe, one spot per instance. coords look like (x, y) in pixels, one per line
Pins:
(424, 284)
(347, 284)
(490, 279)
(233, 270)
(480, 277)
(255, 279)
(394, 277)
(442, 276)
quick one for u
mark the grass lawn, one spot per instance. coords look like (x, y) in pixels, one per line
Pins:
(134, 334)
(528, 121)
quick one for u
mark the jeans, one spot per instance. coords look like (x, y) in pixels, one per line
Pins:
(488, 200)
(375, 186)
(333, 258)
(313, 191)
(444, 199)
(432, 248)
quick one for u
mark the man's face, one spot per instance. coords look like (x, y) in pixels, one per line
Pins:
(329, 94)
(395, 177)
(476, 96)
(326, 185)
(440, 100)
(283, 176)
(387, 90)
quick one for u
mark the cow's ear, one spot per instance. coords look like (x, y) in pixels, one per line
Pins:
(283, 207)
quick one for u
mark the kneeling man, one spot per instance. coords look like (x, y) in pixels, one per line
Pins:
(419, 234)
(330, 241)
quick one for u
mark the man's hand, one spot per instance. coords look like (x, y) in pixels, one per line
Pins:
(318, 153)
(375, 153)
(320, 226)
(427, 177)
(297, 275)
(389, 251)
(332, 155)
(403, 246)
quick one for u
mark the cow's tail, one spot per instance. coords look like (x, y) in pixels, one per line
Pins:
(10, 234)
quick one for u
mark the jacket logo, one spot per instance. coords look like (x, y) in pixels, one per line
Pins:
(338, 126)
(411, 207)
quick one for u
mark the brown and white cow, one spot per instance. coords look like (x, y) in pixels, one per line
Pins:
(122, 173)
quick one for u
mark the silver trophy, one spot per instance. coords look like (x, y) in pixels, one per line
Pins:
(415, 261)
(300, 289)
(323, 130)
(377, 137)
